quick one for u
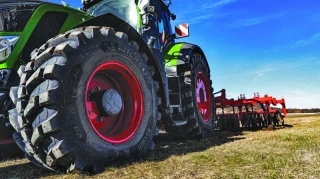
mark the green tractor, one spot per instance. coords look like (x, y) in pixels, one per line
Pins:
(103, 82)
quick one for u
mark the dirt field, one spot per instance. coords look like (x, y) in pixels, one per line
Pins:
(291, 152)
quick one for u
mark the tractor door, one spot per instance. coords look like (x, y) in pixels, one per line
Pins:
(160, 25)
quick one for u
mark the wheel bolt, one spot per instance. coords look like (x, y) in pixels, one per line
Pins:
(99, 119)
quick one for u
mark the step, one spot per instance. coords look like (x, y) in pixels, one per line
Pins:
(180, 123)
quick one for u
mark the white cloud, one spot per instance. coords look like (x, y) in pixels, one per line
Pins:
(254, 20)
(218, 4)
(307, 41)
(196, 19)
(190, 12)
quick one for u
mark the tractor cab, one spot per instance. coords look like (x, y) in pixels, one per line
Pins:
(156, 24)
(126, 10)
(150, 18)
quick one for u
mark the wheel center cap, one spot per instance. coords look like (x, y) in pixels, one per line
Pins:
(201, 92)
(112, 102)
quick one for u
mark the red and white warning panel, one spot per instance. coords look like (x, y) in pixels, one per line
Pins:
(182, 30)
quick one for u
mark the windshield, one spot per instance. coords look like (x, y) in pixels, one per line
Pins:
(124, 9)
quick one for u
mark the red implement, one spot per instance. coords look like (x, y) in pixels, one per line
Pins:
(262, 112)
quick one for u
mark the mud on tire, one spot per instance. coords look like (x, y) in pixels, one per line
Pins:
(51, 115)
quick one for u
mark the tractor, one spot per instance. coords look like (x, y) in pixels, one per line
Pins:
(93, 86)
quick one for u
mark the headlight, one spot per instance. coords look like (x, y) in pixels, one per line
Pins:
(7, 44)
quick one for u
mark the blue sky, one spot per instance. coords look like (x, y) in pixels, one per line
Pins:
(266, 46)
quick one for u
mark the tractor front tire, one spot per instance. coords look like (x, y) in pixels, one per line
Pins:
(86, 98)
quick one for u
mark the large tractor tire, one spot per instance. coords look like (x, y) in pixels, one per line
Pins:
(196, 95)
(86, 98)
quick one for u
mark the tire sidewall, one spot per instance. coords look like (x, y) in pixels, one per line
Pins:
(91, 141)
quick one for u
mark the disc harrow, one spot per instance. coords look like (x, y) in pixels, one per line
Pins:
(253, 113)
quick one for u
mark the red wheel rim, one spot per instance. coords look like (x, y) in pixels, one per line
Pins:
(119, 128)
(203, 96)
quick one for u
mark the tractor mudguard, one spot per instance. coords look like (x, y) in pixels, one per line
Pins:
(179, 54)
(120, 25)
(47, 20)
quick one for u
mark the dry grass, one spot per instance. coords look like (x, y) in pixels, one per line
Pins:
(292, 152)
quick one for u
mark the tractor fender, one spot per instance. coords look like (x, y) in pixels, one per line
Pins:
(120, 25)
(179, 54)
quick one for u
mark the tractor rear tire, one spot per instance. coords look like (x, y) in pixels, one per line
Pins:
(86, 98)
(197, 110)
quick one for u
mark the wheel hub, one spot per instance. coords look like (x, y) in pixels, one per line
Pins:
(203, 96)
(112, 102)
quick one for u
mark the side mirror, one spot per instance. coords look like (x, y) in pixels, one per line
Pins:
(173, 17)
(182, 31)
